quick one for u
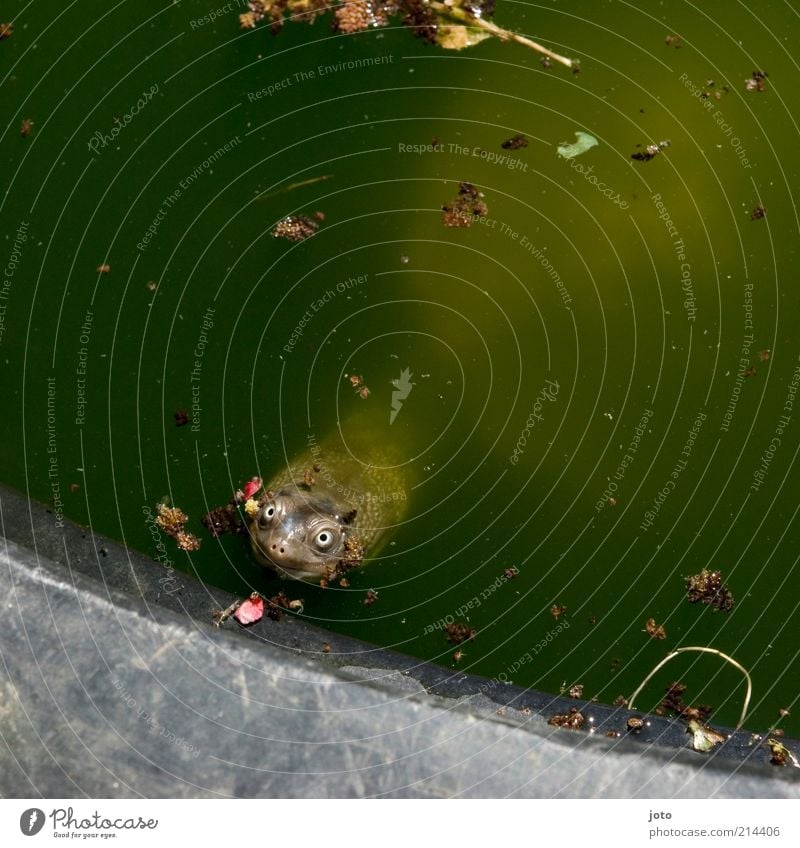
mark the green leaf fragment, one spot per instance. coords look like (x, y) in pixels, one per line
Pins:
(584, 142)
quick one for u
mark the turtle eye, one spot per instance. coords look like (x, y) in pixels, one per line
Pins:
(324, 540)
(267, 514)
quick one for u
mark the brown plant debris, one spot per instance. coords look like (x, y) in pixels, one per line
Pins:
(635, 723)
(655, 631)
(457, 632)
(673, 41)
(360, 15)
(706, 587)
(170, 519)
(557, 610)
(758, 213)
(451, 24)
(181, 417)
(224, 519)
(187, 541)
(468, 205)
(572, 720)
(764, 355)
(673, 702)
(371, 598)
(576, 691)
(295, 228)
(458, 655)
(277, 605)
(6, 31)
(651, 151)
(25, 127)
(516, 142)
(757, 81)
(620, 701)
(353, 553)
(781, 755)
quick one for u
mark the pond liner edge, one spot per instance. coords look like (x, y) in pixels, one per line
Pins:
(134, 581)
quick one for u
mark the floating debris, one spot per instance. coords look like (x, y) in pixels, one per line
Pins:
(187, 541)
(276, 606)
(25, 127)
(576, 691)
(452, 24)
(251, 610)
(706, 587)
(467, 206)
(150, 286)
(517, 142)
(170, 519)
(557, 610)
(749, 372)
(308, 478)
(764, 355)
(360, 15)
(372, 597)
(673, 41)
(673, 702)
(758, 213)
(634, 723)
(757, 81)
(572, 720)
(783, 712)
(781, 755)
(458, 655)
(326, 647)
(224, 519)
(295, 228)
(651, 151)
(344, 583)
(353, 553)
(704, 738)
(655, 631)
(363, 393)
(457, 632)
(545, 62)
(620, 701)
(181, 417)
(583, 142)
(105, 268)
(6, 31)
(511, 573)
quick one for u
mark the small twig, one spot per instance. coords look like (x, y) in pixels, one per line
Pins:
(677, 651)
(503, 34)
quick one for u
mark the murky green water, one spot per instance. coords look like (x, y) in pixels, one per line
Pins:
(580, 408)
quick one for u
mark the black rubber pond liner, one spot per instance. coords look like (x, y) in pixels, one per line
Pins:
(112, 686)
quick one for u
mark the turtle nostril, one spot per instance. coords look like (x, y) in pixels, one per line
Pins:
(282, 551)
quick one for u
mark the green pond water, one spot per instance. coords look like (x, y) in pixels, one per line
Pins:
(584, 407)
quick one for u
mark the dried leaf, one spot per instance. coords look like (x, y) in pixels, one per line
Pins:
(457, 37)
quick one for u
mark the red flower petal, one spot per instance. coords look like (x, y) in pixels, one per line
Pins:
(250, 611)
(251, 487)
